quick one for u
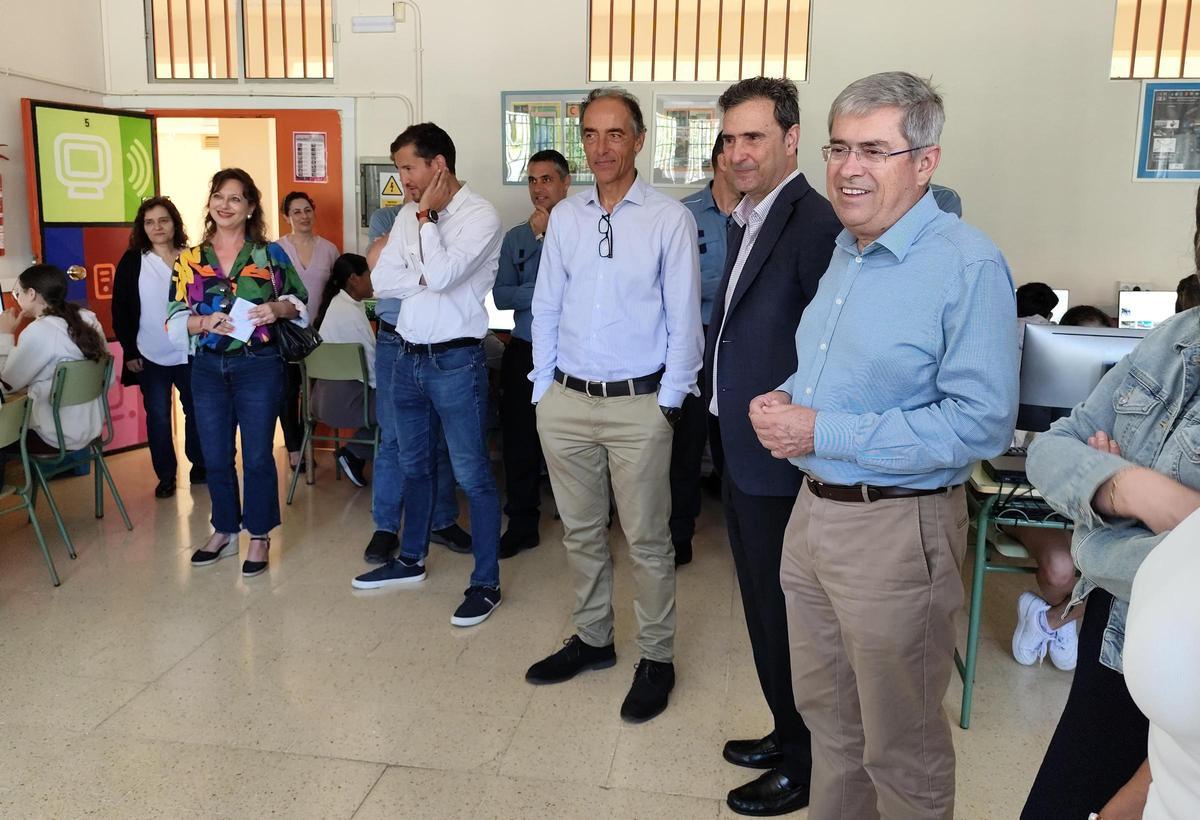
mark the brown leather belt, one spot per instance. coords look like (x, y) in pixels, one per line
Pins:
(865, 493)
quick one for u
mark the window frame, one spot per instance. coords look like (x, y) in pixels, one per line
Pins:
(238, 32)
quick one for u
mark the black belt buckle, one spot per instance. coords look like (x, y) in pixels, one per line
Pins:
(587, 389)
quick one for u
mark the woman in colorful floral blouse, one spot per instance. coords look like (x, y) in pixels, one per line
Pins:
(235, 383)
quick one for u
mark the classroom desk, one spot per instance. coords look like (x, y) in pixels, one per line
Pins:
(994, 503)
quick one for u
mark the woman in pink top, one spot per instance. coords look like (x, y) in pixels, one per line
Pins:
(312, 256)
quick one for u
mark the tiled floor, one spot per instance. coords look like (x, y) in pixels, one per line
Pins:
(142, 688)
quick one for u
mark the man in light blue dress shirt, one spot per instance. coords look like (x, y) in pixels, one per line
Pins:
(616, 348)
(907, 375)
(520, 253)
(711, 207)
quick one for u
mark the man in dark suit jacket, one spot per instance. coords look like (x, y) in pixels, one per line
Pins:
(779, 246)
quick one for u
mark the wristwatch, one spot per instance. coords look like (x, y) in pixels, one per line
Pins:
(428, 213)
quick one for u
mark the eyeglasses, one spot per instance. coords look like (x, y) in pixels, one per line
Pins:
(606, 245)
(867, 156)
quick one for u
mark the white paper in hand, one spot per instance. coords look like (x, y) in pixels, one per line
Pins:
(239, 315)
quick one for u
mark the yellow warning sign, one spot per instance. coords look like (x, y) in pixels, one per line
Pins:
(391, 194)
(391, 188)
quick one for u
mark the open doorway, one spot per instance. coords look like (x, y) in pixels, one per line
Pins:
(192, 149)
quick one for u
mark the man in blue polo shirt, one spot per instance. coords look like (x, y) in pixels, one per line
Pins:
(711, 206)
(549, 182)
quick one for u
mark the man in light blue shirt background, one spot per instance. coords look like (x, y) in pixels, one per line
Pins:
(710, 207)
(616, 349)
(520, 254)
(907, 375)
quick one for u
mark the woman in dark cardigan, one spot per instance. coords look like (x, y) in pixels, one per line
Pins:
(139, 309)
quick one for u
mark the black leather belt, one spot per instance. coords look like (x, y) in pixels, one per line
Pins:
(439, 347)
(388, 326)
(865, 492)
(603, 390)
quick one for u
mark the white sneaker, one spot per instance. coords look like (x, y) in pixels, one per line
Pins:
(1064, 646)
(1032, 636)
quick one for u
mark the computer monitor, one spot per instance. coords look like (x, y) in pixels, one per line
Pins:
(1064, 300)
(1145, 308)
(498, 319)
(1060, 366)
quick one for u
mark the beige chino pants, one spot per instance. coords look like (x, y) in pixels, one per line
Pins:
(585, 440)
(871, 592)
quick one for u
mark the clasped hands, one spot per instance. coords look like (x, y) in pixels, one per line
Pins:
(265, 314)
(784, 428)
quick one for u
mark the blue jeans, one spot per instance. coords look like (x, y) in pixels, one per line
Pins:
(387, 482)
(242, 392)
(155, 382)
(451, 387)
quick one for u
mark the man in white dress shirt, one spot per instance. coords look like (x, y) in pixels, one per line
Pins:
(440, 261)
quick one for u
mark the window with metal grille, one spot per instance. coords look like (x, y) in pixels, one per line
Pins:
(281, 39)
(1156, 39)
(697, 40)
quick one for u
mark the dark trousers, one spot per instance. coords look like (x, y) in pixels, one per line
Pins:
(522, 447)
(155, 382)
(450, 387)
(756, 524)
(289, 409)
(1101, 737)
(231, 394)
(687, 451)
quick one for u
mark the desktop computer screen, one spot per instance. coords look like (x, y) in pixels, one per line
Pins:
(498, 319)
(1145, 308)
(1060, 366)
(1064, 302)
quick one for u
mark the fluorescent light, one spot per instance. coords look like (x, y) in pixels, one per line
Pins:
(379, 24)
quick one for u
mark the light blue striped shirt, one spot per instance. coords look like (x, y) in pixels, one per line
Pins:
(908, 352)
(613, 319)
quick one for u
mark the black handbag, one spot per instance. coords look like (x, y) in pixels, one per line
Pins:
(295, 342)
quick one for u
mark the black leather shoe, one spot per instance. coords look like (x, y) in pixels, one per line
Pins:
(754, 754)
(575, 657)
(771, 793)
(652, 684)
(683, 552)
(513, 542)
(453, 538)
(165, 488)
(198, 475)
(381, 547)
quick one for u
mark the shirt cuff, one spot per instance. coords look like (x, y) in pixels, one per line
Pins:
(302, 319)
(177, 332)
(834, 435)
(540, 386)
(670, 398)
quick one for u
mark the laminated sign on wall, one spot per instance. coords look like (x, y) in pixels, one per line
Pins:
(310, 157)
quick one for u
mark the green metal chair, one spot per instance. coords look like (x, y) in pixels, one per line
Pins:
(14, 424)
(339, 362)
(76, 383)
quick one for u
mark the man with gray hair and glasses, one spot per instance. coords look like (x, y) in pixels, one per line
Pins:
(907, 375)
(616, 347)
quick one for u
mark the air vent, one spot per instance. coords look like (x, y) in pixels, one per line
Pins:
(211, 142)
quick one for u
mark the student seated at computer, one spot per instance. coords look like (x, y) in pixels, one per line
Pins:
(1187, 293)
(61, 331)
(1035, 302)
(342, 318)
(1041, 627)
(1085, 316)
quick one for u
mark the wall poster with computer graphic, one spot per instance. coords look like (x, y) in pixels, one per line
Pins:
(685, 130)
(88, 170)
(1169, 135)
(532, 121)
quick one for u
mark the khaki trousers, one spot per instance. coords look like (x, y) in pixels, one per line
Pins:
(585, 441)
(871, 592)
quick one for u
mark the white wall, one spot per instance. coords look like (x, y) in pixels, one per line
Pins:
(58, 40)
(1038, 142)
(186, 167)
